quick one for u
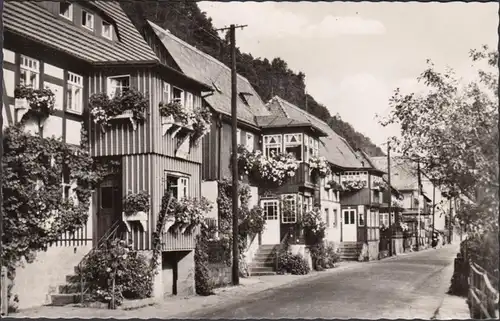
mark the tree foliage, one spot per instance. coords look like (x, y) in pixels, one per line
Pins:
(269, 77)
(451, 129)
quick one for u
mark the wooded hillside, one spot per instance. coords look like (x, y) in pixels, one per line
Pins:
(269, 77)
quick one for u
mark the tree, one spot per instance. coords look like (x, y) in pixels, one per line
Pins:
(451, 129)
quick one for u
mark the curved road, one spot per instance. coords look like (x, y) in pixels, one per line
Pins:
(408, 286)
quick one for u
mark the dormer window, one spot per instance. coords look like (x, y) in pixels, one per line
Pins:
(107, 30)
(244, 99)
(66, 10)
(87, 20)
(117, 85)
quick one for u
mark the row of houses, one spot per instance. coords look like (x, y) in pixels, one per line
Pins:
(79, 49)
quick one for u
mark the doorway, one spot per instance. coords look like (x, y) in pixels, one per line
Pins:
(271, 232)
(109, 202)
(349, 228)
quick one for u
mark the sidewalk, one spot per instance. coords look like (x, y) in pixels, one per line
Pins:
(453, 307)
(176, 306)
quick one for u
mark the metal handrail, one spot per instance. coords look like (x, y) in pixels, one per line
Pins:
(107, 235)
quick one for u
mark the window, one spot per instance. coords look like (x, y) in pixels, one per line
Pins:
(107, 30)
(117, 85)
(178, 95)
(311, 147)
(369, 218)
(66, 182)
(307, 205)
(293, 145)
(315, 147)
(270, 208)
(272, 144)
(327, 217)
(300, 204)
(306, 148)
(189, 101)
(249, 144)
(238, 136)
(74, 93)
(87, 20)
(289, 210)
(384, 219)
(30, 72)
(166, 93)
(178, 186)
(66, 10)
(361, 219)
(334, 217)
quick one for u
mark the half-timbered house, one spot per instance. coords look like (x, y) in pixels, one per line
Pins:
(77, 50)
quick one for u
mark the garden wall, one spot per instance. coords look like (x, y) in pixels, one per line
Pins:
(35, 282)
(219, 274)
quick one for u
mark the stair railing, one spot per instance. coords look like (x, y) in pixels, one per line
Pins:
(109, 234)
(279, 248)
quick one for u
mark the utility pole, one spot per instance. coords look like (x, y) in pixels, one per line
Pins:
(234, 124)
(418, 206)
(390, 195)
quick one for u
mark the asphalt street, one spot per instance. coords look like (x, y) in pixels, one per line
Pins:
(408, 286)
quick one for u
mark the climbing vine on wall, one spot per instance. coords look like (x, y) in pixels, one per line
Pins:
(36, 212)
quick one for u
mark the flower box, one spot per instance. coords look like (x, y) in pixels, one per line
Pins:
(141, 217)
(127, 115)
(168, 122)
(170, 221)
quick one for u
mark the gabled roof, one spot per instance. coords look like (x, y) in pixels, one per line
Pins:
(335, 148)
(403, 176)
(211, 71)
(274, 121)
(30, 20)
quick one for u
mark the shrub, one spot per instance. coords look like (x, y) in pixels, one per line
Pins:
(136, 202)
(115, 260)
(203, 285)
(294, 264)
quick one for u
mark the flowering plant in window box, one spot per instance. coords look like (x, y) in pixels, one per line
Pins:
(380, 185)
(268, 170)
(201, 124)
(173, 111)
(131, 104)
(319, 166)
(335, 186)
(39, 101)
(353, 185)
(136, 208)
(253, 221)
(396, 203)
(190, 212)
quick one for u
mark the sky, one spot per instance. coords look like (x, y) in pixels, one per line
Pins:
(355, 54)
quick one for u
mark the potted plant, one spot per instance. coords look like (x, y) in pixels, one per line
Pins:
(353, 185)
(335, 186)
(190, 213)
(38, 102)
(136, 208)
(318, 166)
(130, 104)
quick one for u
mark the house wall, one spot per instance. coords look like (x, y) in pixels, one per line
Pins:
(331, 211)
(121, 139)
(35, 281)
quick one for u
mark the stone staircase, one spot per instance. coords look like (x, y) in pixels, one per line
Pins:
(68, 293)
(264, 261)
(349, 251)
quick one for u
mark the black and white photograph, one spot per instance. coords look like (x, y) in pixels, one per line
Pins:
(182, 159)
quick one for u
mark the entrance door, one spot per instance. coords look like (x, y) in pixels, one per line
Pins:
(271, 232)
(109, 205)
(349, 229)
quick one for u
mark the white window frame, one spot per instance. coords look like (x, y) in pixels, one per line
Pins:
(92, 20)
(238, 136)
(111, 90)
(178, 99)
(70, 11)
(182, 186)
(268, 145)
(286, 143)
(274, 203)
(369, 219)
(361, 219)
(166, 93)
(305, 141)
(30, 70)
(327, 216)
(250, 142)
(292, 199)
(103, 33)
(315, 147)
(189, 103)
(335, 217)
(74, 82)
(384, 219)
